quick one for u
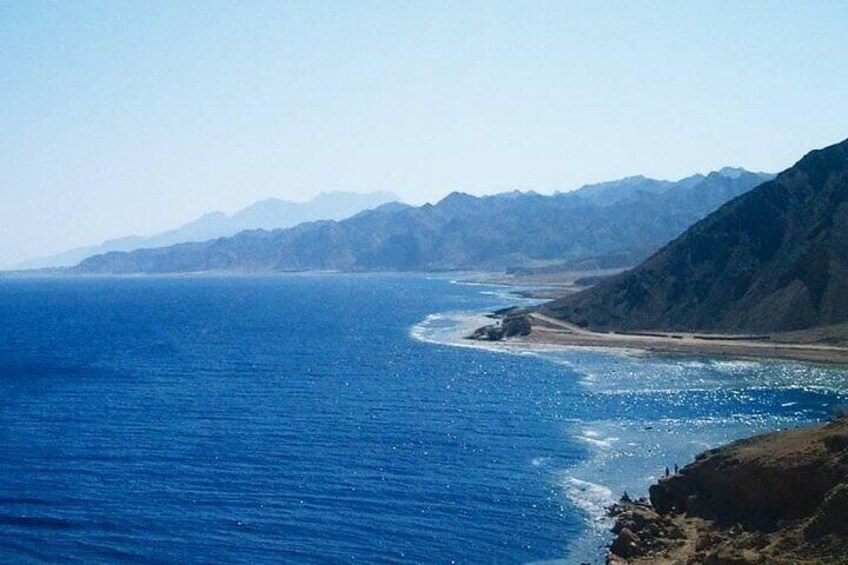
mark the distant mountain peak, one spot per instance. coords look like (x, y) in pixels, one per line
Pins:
(515, 193)
(457, 196)
(268, 214)
(213, 216)
(732, 172)
(737, 172)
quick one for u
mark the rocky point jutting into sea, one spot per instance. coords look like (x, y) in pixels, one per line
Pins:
(779, 498)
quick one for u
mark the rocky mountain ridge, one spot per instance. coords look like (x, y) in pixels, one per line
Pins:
(269, 214)
(460, 232)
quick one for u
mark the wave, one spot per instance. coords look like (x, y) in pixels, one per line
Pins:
(594, 439)
(591, 498)
(449, 328)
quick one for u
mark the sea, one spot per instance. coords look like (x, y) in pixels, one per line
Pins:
(339, 419)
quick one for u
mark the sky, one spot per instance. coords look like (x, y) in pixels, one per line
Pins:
(126, 117)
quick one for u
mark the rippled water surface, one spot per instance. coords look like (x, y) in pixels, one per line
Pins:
(334, 419)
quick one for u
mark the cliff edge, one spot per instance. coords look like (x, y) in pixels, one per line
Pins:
(777, 498)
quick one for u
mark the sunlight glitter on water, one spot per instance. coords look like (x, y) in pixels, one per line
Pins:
(664, 410)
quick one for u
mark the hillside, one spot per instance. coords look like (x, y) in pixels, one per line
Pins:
(772, 260)
(459, 232)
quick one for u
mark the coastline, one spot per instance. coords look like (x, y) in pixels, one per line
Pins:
(823, 346)
(547, 331)
(773, 498)
(623, 456)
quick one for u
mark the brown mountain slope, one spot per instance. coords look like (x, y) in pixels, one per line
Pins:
(774, 259)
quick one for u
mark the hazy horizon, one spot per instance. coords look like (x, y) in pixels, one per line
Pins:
(123, 119)
(29, 262)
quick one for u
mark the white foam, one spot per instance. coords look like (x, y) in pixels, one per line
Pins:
(596, 439)
(449, 328)
(602, 443)
(592, 498)
(453, 329)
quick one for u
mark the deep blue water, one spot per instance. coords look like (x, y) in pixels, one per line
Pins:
(329, 419)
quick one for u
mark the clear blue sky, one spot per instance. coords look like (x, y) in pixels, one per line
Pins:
(132, 117)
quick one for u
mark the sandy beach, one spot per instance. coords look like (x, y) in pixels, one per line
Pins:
(550, 331)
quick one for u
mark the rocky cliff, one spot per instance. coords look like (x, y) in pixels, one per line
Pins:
(778, 498)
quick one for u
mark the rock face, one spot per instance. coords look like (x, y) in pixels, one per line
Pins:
(832, 515)
(641, 531)
(510, 326)
(774, 259)
(460, 232)
(778, 498)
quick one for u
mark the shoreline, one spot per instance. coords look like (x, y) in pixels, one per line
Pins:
(802, 346)
(547, 331)
(715, 510)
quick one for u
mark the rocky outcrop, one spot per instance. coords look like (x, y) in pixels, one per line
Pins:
(777, 498)
(511, 325)
(640, 530)
(831, 516)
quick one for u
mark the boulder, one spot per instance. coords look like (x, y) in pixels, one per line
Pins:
(627, 544)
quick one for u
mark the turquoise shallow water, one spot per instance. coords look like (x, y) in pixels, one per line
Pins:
(336, 419)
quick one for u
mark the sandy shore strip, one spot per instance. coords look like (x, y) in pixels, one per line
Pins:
(550, 331)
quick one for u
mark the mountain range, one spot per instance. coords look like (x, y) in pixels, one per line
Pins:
(266, 214)
(629, 218)
(774, 259)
